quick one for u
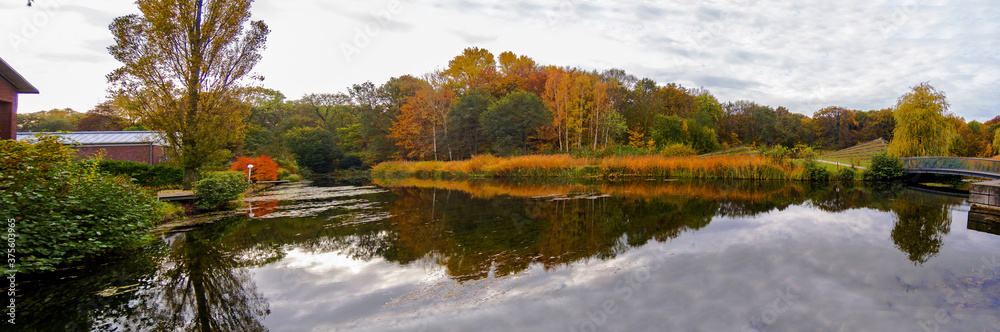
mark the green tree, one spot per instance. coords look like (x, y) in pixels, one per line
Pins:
(510, 122)
(184, 62)
(669, 129)
(922, 127)
(49, 121)
(314, 148)
(463, 123)
(702, 138)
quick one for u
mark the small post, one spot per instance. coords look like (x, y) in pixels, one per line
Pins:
(249, 171)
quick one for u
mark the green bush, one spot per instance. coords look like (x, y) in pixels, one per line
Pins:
(776, 153)
(291, 178)
(846, 174)
(67, 211)
(215, 189)
(159, 175)
(135, 170)
(816, 172)
(884, 167)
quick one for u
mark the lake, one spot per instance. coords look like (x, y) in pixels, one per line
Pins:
(426, 255)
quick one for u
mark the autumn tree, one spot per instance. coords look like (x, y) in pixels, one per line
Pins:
(569, 96)
(836, 127)
(183, 67)
(922, 127)
(516, 72)
(996, 141)
(420, 130)
(876, 124)
(474, 68)
(746, 122)
(510, 123)
(102, 118)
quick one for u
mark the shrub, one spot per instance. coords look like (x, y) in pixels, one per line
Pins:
(215, 189)
(777, 153)
(815, 171)
(67, 211)
(159, 175)
(884, 167)
(135, 170)
(292, 178)
(264, 169)
(677, 150)
(846, 174)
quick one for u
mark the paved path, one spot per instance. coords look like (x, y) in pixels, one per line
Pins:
(840, 164)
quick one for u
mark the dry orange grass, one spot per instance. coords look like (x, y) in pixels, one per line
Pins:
(728, 167)
(534, 164)
(716, 167)
(530, 165)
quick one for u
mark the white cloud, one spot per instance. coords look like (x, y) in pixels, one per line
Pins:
(805, 56)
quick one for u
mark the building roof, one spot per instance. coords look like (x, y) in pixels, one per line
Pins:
(104, 137)
(10, 75)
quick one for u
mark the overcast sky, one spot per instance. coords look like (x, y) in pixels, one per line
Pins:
(804, 55)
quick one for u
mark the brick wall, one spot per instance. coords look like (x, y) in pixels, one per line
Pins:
(8, 110)
(139, 153)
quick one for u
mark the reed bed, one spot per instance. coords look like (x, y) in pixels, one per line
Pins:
(715, 167)
(563, 165)
(486, 166)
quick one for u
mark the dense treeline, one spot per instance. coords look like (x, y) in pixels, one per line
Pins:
(509, 104)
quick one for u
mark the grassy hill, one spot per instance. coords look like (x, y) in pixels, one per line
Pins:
(859, 154)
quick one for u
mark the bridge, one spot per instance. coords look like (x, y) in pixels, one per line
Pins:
(976, 167)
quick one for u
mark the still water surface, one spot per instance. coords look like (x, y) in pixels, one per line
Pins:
(420, 255)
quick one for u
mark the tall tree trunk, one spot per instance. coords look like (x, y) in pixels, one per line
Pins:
(194, 95)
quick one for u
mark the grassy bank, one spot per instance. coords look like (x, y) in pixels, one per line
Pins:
(487, 166)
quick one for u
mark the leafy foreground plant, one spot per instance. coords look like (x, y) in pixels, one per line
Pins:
(884, 168)
(215, 189)
(65, 211)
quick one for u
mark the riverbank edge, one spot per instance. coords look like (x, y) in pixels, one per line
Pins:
(615, 167)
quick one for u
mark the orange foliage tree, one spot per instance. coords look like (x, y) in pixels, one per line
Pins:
(420, 129)
(264, 169)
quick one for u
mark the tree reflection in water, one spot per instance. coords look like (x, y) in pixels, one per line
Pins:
(473, 229)
(204, 285)
(921, 223)
(553, 225)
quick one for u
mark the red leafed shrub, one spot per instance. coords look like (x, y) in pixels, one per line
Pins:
(264, 169)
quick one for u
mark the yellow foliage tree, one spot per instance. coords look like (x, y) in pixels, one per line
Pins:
(183, 64)
(922, 126)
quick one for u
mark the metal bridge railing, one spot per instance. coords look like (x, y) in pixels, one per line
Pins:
(955, 163)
